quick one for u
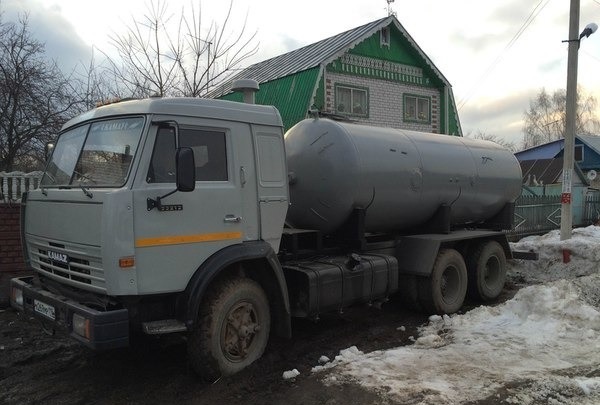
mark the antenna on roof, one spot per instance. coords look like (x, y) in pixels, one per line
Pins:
(389, 8)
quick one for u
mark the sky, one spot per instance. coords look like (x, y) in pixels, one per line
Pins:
(497, 54)
(540, 347)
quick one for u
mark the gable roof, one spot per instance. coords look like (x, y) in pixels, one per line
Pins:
(543, 151)
(553, 148)
(320, 53)
(593, 141)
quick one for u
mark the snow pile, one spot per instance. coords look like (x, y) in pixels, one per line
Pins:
(542, 346)
(585, 256)
(290, 374)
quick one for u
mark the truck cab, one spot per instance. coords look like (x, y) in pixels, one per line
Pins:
(115, 241)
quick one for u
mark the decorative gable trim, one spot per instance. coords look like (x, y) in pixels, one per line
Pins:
(379, 69)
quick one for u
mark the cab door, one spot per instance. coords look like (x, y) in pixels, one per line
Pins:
(172, 241)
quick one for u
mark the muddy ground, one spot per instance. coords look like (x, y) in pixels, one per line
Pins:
(36, 368)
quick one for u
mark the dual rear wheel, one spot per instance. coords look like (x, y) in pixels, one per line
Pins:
(482, 276)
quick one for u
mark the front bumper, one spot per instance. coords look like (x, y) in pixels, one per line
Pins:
(95, 329)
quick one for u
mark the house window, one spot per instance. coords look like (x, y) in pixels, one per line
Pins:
(579, 153)
(417, 108)
(384, 36)
(351, 100)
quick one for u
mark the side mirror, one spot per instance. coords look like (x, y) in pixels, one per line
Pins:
(186, 169)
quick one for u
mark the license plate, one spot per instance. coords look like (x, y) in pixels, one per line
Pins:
(44, 309)
(58, 257)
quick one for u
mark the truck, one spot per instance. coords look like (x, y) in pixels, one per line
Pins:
(200, 217)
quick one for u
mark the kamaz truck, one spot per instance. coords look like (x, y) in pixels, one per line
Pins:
(199, 217)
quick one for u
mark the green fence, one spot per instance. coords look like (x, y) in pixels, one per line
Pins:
(536, 215)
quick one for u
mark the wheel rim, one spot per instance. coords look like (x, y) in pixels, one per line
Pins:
(450, 284)
(491, 274)
(239, 331)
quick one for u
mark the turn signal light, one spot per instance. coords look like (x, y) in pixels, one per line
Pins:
(17, 296)
(81, 326)
(126, 262)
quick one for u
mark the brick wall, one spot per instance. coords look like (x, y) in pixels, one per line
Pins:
(385, 101)
(11, 253)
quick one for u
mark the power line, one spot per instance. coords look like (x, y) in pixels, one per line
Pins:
(530, 18)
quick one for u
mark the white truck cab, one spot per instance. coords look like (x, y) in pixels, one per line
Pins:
(114, 233)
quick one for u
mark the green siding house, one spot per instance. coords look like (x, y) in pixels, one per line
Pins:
(374, 74)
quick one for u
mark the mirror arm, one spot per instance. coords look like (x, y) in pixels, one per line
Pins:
(151, 204)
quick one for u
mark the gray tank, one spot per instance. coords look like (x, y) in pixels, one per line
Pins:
(402, 177)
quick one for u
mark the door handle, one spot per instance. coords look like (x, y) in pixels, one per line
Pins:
(232, 218)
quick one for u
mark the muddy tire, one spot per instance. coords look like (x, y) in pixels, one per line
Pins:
(444, 291)
(232, 329)
(486, 266)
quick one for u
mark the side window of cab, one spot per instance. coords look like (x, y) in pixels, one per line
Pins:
(162, 164)
(210, 152)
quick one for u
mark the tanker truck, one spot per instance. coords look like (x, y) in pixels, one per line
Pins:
(200, 218)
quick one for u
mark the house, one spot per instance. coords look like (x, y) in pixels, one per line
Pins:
(543, 178)
(587, 155)
(375, 74)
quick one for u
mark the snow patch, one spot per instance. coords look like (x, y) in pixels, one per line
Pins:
(542, 346)
(288, 375)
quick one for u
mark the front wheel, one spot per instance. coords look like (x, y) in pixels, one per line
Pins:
(232, 329)
(444, 291)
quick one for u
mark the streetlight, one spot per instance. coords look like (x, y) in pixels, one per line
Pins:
(566, 212)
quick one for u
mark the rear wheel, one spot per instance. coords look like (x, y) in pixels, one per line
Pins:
(486, 266)
(232, 329)
(444, 291)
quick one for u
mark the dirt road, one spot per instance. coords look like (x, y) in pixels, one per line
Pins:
(37, 368)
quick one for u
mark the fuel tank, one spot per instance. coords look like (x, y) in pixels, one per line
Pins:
(400, 177)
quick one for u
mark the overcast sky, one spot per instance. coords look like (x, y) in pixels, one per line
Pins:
(497, 54)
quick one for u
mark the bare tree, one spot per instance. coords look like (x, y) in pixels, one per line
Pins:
(155, 60)
(545, 119)
(94, 83)
(493, 138)
(36, 98)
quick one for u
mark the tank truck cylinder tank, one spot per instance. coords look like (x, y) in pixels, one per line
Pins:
(400, 177)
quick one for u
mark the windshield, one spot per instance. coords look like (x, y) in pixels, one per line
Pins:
(97, 154)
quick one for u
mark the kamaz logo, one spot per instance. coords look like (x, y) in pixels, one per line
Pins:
(58, 257)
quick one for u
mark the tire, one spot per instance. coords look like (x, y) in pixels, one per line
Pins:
(232, 329)
(486, 266)
(444, 291)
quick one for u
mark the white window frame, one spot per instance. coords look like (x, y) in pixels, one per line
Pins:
(341, 108)
(411, 101)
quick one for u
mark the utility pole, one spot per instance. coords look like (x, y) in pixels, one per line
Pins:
(566, 210)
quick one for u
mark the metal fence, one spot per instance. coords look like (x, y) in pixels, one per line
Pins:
(591, 211)
(536, 215)
(14, 184)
